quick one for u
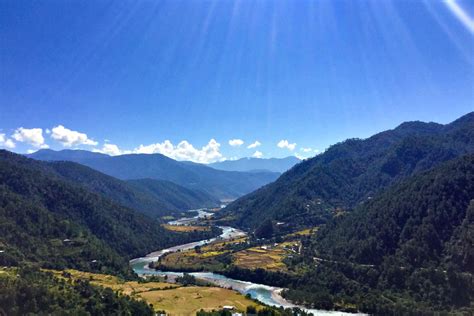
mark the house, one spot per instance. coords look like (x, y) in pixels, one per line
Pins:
(228, 307)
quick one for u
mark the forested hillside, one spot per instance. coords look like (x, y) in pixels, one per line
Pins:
(165, 198)
(353, 171)
(177, 197)
(58, 224)
(29, 291)
(217, 183)
(409, 249)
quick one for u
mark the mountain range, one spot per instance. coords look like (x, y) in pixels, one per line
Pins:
(49, 215)
(352, 172)
(153, 197)
(256, 164)
(217, 183)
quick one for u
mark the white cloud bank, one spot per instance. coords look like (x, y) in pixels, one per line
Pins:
(236, 142)
(32, 136)
(183, 151)
(6, 142)
(285, 144)
(69, 138)
(254, 145)
(257, 154)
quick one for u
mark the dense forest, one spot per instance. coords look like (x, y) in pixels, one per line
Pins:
(51, 221)
(410, 249)
(177, 197)
(29, 291)
(352, 172)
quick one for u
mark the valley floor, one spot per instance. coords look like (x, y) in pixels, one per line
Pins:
(175, 299)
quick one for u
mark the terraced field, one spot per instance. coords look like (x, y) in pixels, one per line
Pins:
(265, 257)
(207, 257)
(216, 256)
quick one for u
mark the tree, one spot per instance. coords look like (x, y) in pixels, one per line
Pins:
(265, 230)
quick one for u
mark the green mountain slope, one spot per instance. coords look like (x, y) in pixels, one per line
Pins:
(217, 183)
(411, 248)
(29, 291)
(177, 197)
(45, 219)
(353, 171)
(165, 199)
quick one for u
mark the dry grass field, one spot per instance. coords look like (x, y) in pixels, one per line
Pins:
(183, 228)
(173, 298)
(189, 300)
(113, 282)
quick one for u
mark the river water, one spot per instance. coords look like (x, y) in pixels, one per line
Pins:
(269, 295)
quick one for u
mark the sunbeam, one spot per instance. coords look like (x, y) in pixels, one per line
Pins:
(461, 14)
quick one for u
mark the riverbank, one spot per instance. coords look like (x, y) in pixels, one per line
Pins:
(268, 295)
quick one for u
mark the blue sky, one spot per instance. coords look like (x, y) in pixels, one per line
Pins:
(132, 75)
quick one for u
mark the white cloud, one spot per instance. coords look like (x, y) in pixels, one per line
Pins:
(69, 138)
(306, 150)
(112, 150)
(32, 136)
(184, 151)
(236, 142)
(300, 156)
(257, 154)
(9, 144)
(254, 145)
(6, 142)
(285, 144)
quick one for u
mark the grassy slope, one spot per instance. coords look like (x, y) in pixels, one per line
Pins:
(173, 298)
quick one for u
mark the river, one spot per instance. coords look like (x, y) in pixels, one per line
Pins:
(269, 295)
